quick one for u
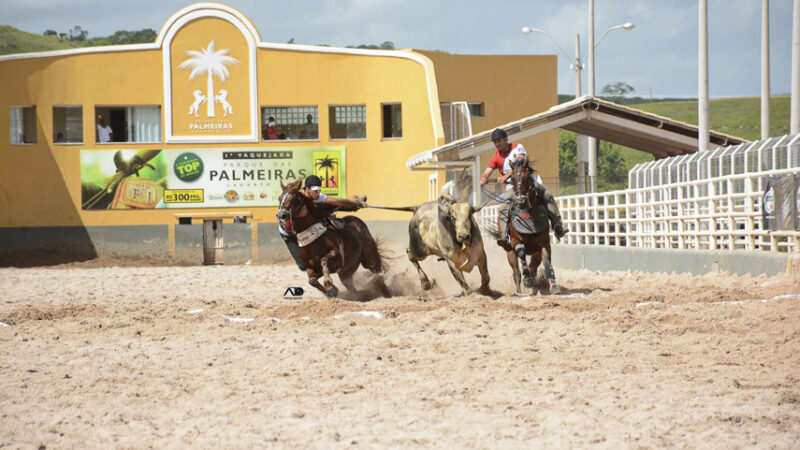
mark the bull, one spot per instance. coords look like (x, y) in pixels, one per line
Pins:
(447, 229)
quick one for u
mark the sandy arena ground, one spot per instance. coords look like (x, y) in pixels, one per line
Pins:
(176, 357)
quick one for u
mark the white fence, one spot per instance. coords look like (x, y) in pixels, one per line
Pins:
(701, 201)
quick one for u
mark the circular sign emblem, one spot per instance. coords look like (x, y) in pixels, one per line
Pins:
(188, 167)
(769, 201)
(231, 196)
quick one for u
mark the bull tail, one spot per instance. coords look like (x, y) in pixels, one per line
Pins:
(396, 208)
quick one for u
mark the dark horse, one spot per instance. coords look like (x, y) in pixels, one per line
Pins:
(326, 249)
(529, 232)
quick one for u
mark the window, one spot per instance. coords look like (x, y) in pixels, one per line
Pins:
(291, 122)
(392, 120)
(128, 124)
(23, 125)
(67, 125)
(475, 109)
(348, 121)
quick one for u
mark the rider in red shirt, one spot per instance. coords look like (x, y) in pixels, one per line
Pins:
(501, 160)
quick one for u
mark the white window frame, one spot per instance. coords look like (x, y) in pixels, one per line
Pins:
(10, 115)
(481, 105)
(332, 117)
(262, 120)
(390, 138)
(127, 118)
(83, 131)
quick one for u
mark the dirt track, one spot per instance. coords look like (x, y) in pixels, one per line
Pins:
(166, 357)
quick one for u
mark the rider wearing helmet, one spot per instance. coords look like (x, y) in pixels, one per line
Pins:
(313, 190)
(501, 160)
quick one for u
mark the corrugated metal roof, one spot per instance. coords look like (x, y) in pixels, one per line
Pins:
(591, 116)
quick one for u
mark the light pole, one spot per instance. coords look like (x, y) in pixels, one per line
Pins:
(577, 66)
(592, 141)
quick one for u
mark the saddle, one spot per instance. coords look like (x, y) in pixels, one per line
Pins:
(530, 221)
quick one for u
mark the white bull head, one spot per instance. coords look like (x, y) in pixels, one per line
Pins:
(460, 215)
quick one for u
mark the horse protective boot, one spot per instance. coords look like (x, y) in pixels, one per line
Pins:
(550, 274)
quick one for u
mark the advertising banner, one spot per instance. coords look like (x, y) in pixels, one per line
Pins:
(204, 178)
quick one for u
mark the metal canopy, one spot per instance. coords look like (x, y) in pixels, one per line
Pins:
(607, 121)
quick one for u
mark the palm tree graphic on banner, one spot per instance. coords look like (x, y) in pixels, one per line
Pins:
(328, 164)
(211, 62)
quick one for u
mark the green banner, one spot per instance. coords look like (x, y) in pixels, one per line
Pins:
(204, 178)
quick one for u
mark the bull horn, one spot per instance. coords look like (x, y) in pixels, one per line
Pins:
(482, 205)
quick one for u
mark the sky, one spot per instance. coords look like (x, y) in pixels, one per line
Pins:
(658, 57)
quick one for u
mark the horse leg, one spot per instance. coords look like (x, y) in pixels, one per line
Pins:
(330, 289)
(512, 261)
(371, 260)
(313, 280)
(459, 276)
(549, 273)
(527, 279)
(347, 281)
(536, 259)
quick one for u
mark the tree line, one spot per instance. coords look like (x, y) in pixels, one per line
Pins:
(79, 35)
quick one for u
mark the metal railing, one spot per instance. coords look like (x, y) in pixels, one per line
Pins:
(702, 201)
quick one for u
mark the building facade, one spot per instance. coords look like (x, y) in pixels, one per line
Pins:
(108, 147)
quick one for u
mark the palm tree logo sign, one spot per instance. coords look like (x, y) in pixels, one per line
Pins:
(212, 63)
(328, 165)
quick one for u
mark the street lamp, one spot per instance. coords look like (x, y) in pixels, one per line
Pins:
(577, 66)
(591, 143)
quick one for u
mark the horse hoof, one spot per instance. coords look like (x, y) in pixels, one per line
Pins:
(332, 292)
(426, 285)
(555, 289)
(528, 282)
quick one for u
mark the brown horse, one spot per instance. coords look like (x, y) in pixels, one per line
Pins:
(529, 232)
(326, 249)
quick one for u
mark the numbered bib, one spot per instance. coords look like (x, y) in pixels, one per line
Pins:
(310, 234)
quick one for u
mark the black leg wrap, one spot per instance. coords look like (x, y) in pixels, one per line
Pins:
(519, 250)
(549, 273)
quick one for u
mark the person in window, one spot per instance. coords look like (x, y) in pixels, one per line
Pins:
(501, 160)
(271, 130)
(104, 132)
(59, 138)
(313, 191)
(309, 130)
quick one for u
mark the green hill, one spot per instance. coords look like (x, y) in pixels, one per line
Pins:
(13, 40)
(739, 117)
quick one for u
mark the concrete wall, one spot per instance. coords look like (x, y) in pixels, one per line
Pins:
(696, 262)
(151, 244)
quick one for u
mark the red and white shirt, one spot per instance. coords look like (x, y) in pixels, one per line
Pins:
(503, 162)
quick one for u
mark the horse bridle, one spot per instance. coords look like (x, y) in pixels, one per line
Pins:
(519, 178)
(286, 209)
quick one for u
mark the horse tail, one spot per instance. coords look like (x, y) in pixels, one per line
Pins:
(384, 254)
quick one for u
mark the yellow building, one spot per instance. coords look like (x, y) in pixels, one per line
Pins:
(107, 146)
